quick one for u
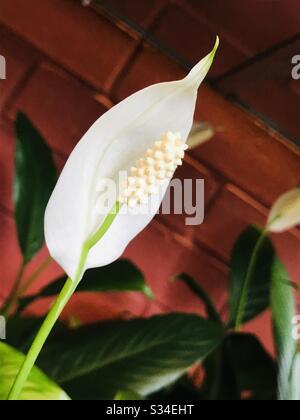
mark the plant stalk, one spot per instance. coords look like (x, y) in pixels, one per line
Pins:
(58, 307)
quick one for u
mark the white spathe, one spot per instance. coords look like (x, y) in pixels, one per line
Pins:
(114, 142)
(285, 214)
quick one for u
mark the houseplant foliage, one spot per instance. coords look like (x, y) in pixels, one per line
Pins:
(38, 386)
(149, 358)
(235, 363)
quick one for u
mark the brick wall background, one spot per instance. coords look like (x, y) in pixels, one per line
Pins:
(66, 65)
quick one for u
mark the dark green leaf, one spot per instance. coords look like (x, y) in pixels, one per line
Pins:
(120, 276)
(240, 369)
(258, 292)
(34, 182)
(255, 371)
(183, 389)
(37, 387)
(220, 381)
(21, 331)
(283, 314)
(195, 287)
(143, 355)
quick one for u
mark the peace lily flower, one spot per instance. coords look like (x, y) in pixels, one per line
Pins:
(285, 214)
(145, 135)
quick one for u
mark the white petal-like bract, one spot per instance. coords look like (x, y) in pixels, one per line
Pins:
(113, 144)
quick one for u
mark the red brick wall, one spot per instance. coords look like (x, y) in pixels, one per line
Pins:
(67, 65)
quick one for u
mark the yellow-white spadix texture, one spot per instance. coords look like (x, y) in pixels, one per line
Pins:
(150, 172)
(114, 143)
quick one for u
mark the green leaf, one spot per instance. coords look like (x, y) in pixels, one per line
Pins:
(35, 179)
(128, 396)
(220, 382)
(21, 331)
(259, 281)
(283, 313)
(37, 387)
(195, 287)
(120, 276)
(254, 369)
(240, 369)
(182, 390)
(143, 355)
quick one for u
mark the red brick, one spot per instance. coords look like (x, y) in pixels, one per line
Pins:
(155, 308)
(76, 37)
(266, 86)
(140, 12)
(20, 58)
(245, 151)
(160, 257)
(192, 38)
(10, 256)
(276, 101)
(148, 67)
(60, 106)
(231, 213)
(191, 170)
(93, 307)
(295, 87)
(256, 25)
(86, 307)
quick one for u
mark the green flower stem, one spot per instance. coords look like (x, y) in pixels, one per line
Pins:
(58, 307)
(105, 226)
(41, 338)
(249, 274)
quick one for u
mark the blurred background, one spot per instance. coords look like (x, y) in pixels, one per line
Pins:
(68, 61)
